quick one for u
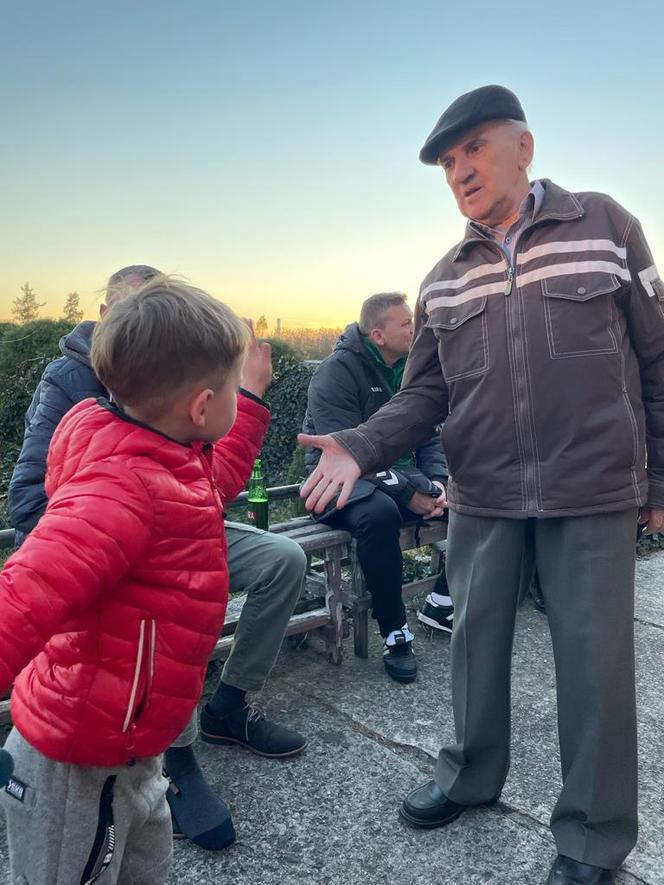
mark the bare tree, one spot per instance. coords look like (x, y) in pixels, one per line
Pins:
(26, 307)
(261, 326)
(72, 312)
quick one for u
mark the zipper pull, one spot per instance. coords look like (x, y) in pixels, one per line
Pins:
(510, 280)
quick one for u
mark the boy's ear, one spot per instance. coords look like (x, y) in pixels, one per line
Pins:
(198, 405)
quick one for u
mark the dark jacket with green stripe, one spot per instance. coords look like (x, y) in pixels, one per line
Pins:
(346, 389)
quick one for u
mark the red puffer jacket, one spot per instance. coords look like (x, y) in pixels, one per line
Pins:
(111, 607)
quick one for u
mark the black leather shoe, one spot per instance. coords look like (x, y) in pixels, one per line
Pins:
(248, 727)
(566, 871)
(428, 806)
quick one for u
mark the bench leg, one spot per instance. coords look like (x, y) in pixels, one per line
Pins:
(438, 556)
(361, 631)
(334, 600)
(360, 608)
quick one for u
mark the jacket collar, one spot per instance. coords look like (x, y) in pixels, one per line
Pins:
(119, 412)
(557, 205)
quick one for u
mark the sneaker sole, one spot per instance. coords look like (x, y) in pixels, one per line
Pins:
(431, 623)
(213, 739)
(400, 678)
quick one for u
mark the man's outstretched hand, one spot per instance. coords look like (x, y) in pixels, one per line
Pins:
(336, 473)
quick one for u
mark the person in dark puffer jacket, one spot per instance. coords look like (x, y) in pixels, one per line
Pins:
(65, 382)
(110, 608)
(362, 374)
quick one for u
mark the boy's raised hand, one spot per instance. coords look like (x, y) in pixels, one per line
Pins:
(257, 369)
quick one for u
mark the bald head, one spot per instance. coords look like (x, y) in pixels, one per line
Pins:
(127, 280)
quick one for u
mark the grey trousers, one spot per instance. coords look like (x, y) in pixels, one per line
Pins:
(71, 824)
(586, 570)
(270, 570)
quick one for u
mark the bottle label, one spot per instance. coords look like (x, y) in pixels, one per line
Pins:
(258, 514)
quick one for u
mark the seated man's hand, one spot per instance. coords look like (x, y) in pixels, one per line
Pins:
(440, 501)
(653, 518)
(336, 473)
(423, 505)
(257, 369)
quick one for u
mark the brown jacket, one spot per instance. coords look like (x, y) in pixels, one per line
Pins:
(549, 375)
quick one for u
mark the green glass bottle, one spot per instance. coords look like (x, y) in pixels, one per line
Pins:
(257, 497)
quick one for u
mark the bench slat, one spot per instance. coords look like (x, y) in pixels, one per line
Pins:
(300, 623)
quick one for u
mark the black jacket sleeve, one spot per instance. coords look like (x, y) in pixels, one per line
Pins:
(56, 393)
(431, 460)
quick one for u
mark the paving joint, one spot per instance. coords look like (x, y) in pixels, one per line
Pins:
(425, 763)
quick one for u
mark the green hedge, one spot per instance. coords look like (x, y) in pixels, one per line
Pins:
(24, 353)
(287, 398)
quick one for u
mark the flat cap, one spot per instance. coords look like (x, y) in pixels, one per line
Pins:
(469, 110)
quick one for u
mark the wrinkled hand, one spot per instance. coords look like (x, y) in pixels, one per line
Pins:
(257, 369)
(653, 519)
(440, 501)
(336, 473)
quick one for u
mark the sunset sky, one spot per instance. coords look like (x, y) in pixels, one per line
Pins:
(268, 150)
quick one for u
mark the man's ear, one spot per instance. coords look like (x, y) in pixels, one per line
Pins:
(526, 149)
(376, 335)
(198, 407)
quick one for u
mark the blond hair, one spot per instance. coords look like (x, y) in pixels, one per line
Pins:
(163, 338)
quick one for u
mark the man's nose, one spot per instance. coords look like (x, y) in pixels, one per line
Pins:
(463, 172)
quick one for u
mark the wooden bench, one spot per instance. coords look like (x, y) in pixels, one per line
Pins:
(338, 547)
(325, 602)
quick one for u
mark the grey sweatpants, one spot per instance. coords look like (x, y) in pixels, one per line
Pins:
(71, 824)
(270, 569)
(586, 571)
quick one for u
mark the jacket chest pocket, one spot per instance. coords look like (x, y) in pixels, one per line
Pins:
(579, 312)
(463, 339)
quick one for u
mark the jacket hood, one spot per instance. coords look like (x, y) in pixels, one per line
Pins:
(351, 339)
(77, 343)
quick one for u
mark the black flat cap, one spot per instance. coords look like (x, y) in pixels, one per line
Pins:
(467, 111)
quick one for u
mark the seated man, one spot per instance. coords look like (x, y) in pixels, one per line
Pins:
(362, 374)
(269, 568)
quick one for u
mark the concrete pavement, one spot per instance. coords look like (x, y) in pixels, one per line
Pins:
(329, 817)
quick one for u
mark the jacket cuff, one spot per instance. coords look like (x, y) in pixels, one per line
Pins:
(256, 399)
(404, 493)
(655, 493)
(359, 447)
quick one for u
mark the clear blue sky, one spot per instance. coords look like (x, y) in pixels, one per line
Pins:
(268, 150)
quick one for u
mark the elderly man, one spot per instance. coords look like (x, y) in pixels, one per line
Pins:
(363, 373)
(539, 339)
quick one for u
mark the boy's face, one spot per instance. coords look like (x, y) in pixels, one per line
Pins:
(219, 409)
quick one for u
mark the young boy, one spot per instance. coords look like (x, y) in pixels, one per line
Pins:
(112, 605)
(268, 568)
